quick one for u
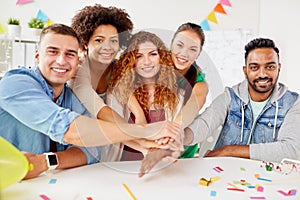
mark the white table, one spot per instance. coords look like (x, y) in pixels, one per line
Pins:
(176, 181)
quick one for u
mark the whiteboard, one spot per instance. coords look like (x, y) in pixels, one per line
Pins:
(226, 50)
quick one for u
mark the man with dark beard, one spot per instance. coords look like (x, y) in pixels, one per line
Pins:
(260, 117)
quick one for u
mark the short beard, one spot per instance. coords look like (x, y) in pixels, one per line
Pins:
(252, 85)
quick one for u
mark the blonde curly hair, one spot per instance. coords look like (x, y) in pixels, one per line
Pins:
(125, 81)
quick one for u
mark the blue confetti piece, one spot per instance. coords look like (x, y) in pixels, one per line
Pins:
(53, 181)
(213, 193)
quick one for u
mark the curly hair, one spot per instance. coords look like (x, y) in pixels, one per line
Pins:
(90, 17)
(125, 81)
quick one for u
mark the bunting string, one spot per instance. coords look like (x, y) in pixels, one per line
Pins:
(211, 17)
(40, 14)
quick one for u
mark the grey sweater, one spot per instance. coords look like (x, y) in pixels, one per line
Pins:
(287, 143)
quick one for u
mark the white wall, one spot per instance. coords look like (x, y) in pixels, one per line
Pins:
(144, 14)
(276, 19)
(280, 20)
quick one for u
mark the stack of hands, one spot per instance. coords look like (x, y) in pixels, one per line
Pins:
(166, 149)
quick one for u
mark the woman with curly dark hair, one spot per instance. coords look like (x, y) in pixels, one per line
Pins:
(145, 72)
(102, 32)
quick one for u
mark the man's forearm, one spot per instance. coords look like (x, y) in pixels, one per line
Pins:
(72, 157)
(85, 131)
(231, 150)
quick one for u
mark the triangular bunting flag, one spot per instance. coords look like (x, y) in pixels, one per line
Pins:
(225, 2)
(20, 2)
(40, 15)
(49, 22)
(204, 25)
(212, 17)
(219, 8)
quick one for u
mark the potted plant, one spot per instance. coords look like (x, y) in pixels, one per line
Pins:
(36, 25)
(14, 28)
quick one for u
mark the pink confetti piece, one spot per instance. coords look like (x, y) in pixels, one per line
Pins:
(20, 2)
(283, 193)
(44, 197)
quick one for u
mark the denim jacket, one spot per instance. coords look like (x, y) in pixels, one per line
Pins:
(29, 117)
(239, 127)
(273, 136)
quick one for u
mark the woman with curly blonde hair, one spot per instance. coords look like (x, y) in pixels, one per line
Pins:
(145, 71)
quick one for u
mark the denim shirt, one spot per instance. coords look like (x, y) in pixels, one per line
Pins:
(239, 128)
(29, 117)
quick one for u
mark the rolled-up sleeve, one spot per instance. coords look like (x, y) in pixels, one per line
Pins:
(27, 101)
(93, 154)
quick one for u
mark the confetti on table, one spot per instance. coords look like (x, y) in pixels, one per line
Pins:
(213, 193)
(283, 193)
(242, 169)
(261, 179)
(259, 188)
(218, 169)
(264, 179)
(236, 189)
(44, 197)
(290, 193)
(20, 2)
(260, 198)
(52, 181)
(232, 185)
(242, 182)
(204, 182)
(256, 175)
(129, 191)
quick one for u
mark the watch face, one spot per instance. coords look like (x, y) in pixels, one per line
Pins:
(52, 160)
